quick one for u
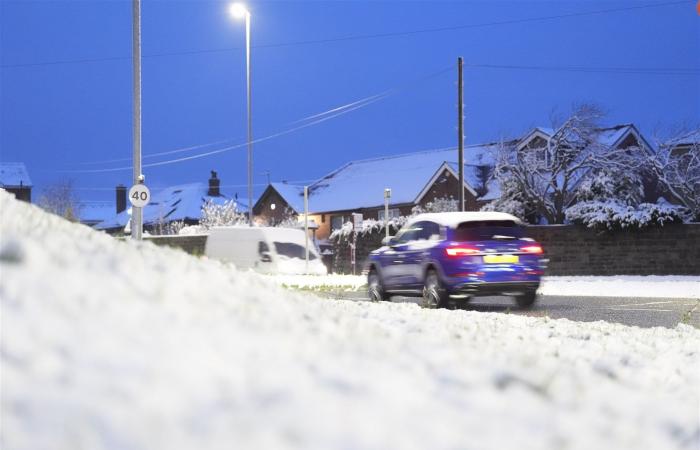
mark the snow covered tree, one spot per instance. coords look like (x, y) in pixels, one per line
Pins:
(442, 204)
(676, 165)
(513, 202)
(60, 199)
(225, 214)
(547, 178)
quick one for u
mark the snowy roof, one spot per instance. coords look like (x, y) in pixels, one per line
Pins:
(361, 184)
(96, 211)
(14, 174)
(174, 203)
(687, 139)
(452, 219)
(608, 136)
(292, 194)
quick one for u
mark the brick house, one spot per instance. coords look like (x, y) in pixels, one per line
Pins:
(358, 187)
(15, 179)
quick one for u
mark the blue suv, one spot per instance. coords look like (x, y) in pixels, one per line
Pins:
(454, 256)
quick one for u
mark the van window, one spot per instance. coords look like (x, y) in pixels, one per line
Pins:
(291, 250)
(263, 248)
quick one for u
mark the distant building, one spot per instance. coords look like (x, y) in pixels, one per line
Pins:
(176, 203)
(15, 179)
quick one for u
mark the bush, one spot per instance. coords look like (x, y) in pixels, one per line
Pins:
(612, 215)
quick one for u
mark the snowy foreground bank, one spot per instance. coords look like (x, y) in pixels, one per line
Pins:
(117, 345)
(582, 286)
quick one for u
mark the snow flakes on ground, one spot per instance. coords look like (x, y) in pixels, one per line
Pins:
(123, 345)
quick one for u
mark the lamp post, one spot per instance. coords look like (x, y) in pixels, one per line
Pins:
(239, 11)
(138, 178)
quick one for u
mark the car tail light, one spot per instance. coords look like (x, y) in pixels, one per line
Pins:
(534, 249)
(461, 251)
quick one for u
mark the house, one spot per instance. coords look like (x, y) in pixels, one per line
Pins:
(15, 179)
(181, 203)
(682, 145)
(415, 179)
(358, 187)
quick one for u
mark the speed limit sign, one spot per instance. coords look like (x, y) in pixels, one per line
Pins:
(139, 195)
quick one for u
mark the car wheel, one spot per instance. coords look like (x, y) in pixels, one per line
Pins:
(527, 299)
(375, 289)
(434, 293)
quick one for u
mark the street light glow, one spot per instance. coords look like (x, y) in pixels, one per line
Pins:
(238, 10)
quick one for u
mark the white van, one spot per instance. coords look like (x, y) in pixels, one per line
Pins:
(264, 249)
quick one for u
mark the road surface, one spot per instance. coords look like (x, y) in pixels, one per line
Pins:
(643, 312)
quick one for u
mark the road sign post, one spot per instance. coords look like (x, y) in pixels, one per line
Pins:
(356, 225)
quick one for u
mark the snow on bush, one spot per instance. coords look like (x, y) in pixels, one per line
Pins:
(110, 344)
(612, 215)
(371, 226)
(215, 215)
(442, 204)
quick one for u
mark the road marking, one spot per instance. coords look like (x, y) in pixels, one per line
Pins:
(649, 303)
(640, 309)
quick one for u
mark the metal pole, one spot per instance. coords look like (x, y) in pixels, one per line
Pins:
(460, 132)
(306, 225)
(136, 213)
(250, 119)
(387, 194)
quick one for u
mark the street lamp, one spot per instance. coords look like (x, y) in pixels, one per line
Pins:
(239, 11)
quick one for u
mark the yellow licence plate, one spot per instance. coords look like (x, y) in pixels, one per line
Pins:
(501, 259)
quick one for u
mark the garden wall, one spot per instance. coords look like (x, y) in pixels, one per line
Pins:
(575, 250)
(192, 244)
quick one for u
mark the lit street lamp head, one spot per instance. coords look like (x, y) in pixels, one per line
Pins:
(238, 10)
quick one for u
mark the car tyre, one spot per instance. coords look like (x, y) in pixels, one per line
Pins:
(434, 293)
(527, 299)
(375, 287)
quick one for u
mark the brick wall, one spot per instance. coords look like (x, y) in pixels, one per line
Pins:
(193, 245)
(573, 250)
(669, 250)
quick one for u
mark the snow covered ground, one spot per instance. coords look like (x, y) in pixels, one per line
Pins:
(579, 286)
(123, 345)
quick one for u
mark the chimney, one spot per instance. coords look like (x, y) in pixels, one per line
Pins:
(214, 183)
(121, 198)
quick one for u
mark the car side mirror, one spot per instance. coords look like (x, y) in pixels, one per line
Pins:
(265, 257)
(389, 241)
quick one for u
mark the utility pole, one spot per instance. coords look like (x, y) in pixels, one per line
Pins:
(136, 212)
(460, 131)
(306, 229)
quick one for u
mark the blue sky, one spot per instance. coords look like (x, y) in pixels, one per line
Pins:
(65, 81)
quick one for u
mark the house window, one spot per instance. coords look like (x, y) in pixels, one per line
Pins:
(323, 218)
(393, 213)
(337, 222)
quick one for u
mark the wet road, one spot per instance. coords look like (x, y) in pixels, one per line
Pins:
(643, 312)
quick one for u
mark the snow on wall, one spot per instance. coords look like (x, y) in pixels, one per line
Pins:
(123, 345)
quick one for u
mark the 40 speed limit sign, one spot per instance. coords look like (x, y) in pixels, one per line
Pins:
(139, 195)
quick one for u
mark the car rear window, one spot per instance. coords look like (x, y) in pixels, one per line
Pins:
(485, 230)
(291, 250)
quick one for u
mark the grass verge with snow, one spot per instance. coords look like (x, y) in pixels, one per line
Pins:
(108, 344)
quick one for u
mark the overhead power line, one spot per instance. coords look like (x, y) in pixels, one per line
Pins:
(584, 69)
(306, 122)
(366, 36)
